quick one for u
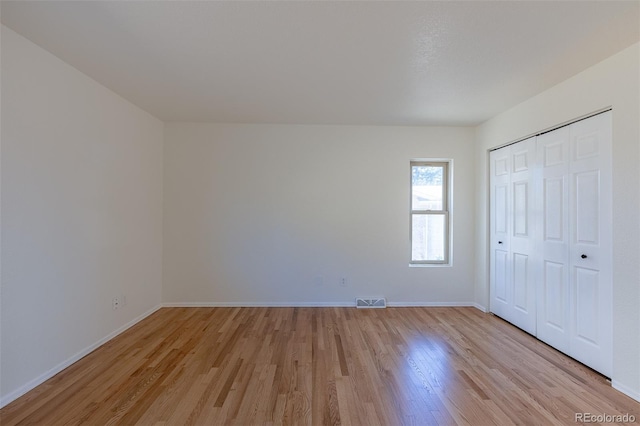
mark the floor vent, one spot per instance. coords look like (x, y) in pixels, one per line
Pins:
(371, 303)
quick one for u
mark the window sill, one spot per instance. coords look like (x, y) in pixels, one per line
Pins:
(430, 265)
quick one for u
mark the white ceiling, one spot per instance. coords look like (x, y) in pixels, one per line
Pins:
(407, 63)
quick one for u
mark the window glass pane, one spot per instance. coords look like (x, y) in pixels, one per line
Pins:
(428, 237)
(426, 187)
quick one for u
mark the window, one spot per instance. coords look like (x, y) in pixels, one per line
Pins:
(429, 212)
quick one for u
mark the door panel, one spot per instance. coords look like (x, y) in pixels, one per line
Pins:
(521, 297)
(553, 318)
(587, 143)
(501, 164)
(553, 204)
(501, 209)
(555, 151)
(523, 304)
(553, 242)
(521, 157)
(591, 242)
(587, 312)
(501, 277)
(586, 210)
(520, 208)
(512, 292)
(499, 234)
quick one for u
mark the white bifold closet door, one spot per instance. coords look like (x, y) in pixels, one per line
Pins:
(551, 240)
(575, 312)
(512, 232)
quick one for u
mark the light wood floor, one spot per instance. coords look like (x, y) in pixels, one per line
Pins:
(320, 366)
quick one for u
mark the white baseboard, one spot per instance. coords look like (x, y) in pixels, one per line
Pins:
(430, 304)
(349, 304)
(632, 393)
(480, 307)
(12, 396)
(259, 304)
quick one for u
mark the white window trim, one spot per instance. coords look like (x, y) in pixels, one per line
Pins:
(447, 205)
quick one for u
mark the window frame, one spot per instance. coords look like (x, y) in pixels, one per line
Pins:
(445, 212)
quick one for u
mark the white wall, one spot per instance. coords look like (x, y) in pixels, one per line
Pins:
(613, 82)
(81, 213)
(256, 214)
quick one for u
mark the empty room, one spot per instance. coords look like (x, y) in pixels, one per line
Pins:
(319, 212)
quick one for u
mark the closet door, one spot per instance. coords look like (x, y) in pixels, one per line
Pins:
(553, 198)
(512, 272)
(500, 269)
(575, 242)
(591, 242)
(521, 244)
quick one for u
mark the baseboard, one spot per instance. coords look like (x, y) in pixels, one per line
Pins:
(259, 305)
(632, 393)
(12, 396)
(480, 307)
(349, 304)
(430, 304)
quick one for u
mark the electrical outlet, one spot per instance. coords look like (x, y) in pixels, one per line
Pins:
(115, 303)
(343, 282)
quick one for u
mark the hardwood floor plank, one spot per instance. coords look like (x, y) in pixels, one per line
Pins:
(320, 366)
